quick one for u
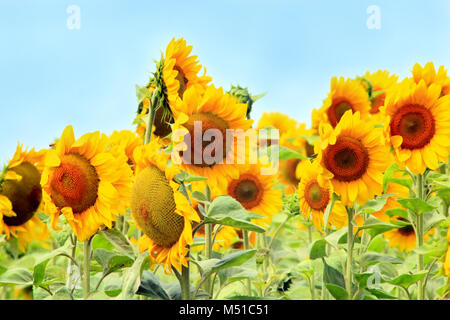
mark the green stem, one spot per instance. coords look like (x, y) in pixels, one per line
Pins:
(349, 275)
(208, 248)
(443, 170)
(86, 268)
(312, 281)
(278, 231)
(420, 238)
(324, 292)
(73, 240)
(247, 247)
(151, 118)
(185, 283)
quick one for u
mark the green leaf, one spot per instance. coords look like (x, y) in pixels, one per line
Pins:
(152, 287)
(335, 238)
(62, 294)
(233, 260)
(332, 275)
(225, 210)
(110, 261)
(375, 227)
(287, 154)
(405, 280)
(328, 210)
(371, 258)
(18, 276)
(388, 174)
(337, 292)
(39, 272)
(398, 212)
(187, 177)
(416, 205)
(381, 294)
(132, 278)
(432, 219)
(318, 249)
(311, 140)
(119, 241)
(374, 205)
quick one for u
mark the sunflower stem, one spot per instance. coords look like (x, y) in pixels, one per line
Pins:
(420, 238)
(443, 170)
(73, 240)
(324, 292)
(86, 268)
(185, 283)
(312, 281)
(208, 248)
(349, 275)
(151, 118)
(246, 247)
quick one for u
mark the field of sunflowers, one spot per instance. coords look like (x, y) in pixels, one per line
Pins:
(201, 202)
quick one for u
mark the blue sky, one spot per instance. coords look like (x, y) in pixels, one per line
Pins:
(51, 76)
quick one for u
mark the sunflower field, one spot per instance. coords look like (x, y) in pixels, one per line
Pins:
(201, 202)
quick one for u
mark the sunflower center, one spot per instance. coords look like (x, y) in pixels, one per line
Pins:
(74, 183)
(316, 196)
(377, 102)
(415, 124)
(291, 166)
(247, 190)
(154, 208)
(347, 159)
(337, 110)
(183, 81)
(25, 195)
(198, 144)
(162, 122)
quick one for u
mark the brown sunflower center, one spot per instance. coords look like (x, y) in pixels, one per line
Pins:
(74, 183)
(347, 159)
(415, 124)
(25, 195)
(203, 152)
(377, 102)
(337, 110)
(162, 122)
(153, 207)
(316, 196)
(291, 166)
(182, 80)
(247, 190)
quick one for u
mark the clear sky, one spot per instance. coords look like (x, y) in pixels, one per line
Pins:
(52, 76)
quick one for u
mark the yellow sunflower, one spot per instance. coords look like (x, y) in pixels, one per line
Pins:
(126, 141)
(418, 125)
(355, 155)
(429, 75)
(404, 238)
(315, 194)
(344, 95)
(198, 114)
(21, 196)
(255, 191)
(278, 120)
(86, 182)
(160, 210)
(381, 82)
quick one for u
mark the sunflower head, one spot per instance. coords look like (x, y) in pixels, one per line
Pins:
(355, 155)
(381, 81)
(21, 196)
(417, 124)
(160, 210)
(428, 74)
(344, 95)
(86, 181)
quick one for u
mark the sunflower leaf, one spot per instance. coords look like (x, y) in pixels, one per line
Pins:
(152, 287)
(119, 241)
(318, 249)
(337, 292)
(405, 280)
(416, 205)
(18, 276)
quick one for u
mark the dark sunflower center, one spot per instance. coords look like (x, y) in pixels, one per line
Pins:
(347, 159)
(291, 167)
(25, 195)
(415, 124)
(162, 122)
(74, 183)
(337, 110)
(316, 196)
(153, 207)
(204, 153)
(183, 81)
(247, 190)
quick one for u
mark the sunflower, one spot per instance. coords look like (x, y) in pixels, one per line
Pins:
(21, 196)
(404, 238)
(381, 82)
(86, 182)
(278, 120)
(355, 155)
(126, 141)
(215, 112)
(344, 95)
(160, 210)
(418, 125)
(429, 75)
(255, 192)
(181, 70)
(315, 194)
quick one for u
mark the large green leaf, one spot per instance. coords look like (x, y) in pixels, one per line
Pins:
(152, 287)
(318, 249)
(111, 261)
(119, 241)
(337, 292)
(416, 205)
(17, 276)
(132, 277)
(405, 280)
(332, 275)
